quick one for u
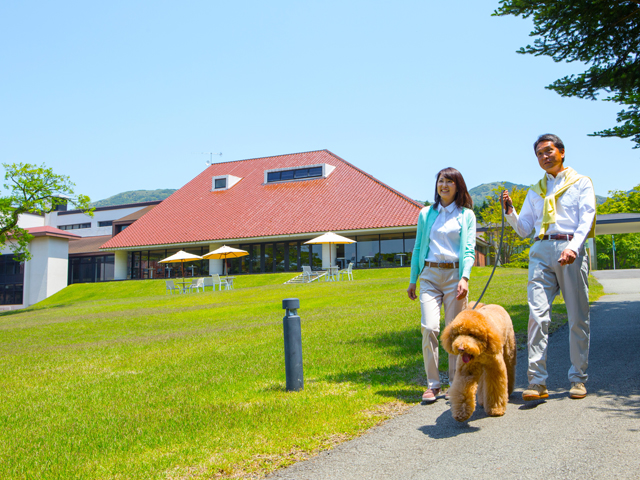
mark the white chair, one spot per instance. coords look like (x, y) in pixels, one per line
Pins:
(218, 281)
(347, 271)
(171, 287)
(197, 283)
(308, 274)
(208, 282)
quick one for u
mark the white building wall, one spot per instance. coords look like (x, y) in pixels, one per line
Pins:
(28, 220)
(215, 266)
(46, 272)
(56, 219)
(120, 265)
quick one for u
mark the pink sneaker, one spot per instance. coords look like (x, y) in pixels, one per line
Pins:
(429, 396)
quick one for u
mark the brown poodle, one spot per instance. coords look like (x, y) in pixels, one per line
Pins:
(485, 341)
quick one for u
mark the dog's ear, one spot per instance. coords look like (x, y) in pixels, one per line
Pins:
(449, 334)
(494, 342)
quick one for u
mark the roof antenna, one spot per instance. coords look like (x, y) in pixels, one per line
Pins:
(211, 154)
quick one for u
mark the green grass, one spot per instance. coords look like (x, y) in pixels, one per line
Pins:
(120, 381)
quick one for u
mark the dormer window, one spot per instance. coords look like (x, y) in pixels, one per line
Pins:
(307, 172)
(223, 182)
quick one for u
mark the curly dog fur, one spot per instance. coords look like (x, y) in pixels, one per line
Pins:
(485, 341)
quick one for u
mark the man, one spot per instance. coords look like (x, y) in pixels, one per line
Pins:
(561, 208)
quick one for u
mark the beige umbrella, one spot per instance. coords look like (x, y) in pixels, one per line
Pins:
(225, 252)
(181, 257)
(330, 238)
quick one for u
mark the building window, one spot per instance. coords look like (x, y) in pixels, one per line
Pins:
(75, 226)
(220, 183)
(294, 174)
(106, 223)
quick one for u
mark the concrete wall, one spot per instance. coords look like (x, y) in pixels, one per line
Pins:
(46, 272)
(120, 265)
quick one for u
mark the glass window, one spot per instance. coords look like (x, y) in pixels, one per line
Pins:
(254, 258)
(279, 257)
(350, 254)
(315, 172)
(287, 175)
(409, 243)
(273, 176)
(392, 250)
(316, 257)
(293, 257)
(305, 255)
(268, 258)
(221, 183)
(106, 223)
(301, 173)
(368, 251)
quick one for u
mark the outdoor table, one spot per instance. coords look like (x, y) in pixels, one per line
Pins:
(229, 282)
(401, 255)
(369, 257)
(332, 274)
(184, 285)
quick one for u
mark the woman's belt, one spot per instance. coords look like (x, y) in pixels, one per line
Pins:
(555, 237)
(442, 264)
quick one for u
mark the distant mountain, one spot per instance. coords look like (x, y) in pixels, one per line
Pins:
(484, 191)
(135, 196)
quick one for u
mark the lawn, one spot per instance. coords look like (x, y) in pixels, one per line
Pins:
(120, 381)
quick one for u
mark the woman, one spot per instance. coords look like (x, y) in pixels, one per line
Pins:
(443, 255)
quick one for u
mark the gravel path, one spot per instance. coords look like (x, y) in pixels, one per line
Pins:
(559, 438)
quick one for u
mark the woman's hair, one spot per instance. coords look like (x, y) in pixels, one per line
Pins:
(462, 198)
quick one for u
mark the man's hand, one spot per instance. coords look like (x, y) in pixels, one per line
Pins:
(411, 291)
(506, 201)
(567, 257)
(463, 288)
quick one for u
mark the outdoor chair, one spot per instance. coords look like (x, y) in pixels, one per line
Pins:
(197, 283)
(208, 282)
(218, 281)
(171, 287)
(347, 271)
(308, 274)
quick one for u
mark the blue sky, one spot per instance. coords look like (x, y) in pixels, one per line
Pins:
(124, 95)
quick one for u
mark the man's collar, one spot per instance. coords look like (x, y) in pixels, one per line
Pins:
(560, 175)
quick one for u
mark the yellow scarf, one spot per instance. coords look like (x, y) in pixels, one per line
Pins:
(549, 208)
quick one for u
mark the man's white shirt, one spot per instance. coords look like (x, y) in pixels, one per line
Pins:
(575, 210)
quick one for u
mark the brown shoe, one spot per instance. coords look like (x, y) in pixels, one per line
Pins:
(535, 392)
(578, 390)
(429, 396)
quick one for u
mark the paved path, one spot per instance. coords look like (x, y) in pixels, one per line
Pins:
(597, 437)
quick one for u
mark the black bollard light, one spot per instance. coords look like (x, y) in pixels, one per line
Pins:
(292, 345)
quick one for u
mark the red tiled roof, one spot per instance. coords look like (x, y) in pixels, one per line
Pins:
(348, 199)
(52, 232)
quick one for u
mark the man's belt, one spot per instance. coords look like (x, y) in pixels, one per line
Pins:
(555, 237)
(441, 264)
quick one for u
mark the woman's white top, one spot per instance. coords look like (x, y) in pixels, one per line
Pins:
(444, 244)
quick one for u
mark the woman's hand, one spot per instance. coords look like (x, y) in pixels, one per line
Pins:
(411, 291)
(463, 288)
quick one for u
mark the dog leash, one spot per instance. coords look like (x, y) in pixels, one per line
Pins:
(495, 264)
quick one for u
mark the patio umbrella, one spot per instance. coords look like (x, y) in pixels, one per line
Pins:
(181, 257)
(225, 252)
(330, 238)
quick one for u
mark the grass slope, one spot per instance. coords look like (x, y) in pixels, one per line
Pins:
(119, 380)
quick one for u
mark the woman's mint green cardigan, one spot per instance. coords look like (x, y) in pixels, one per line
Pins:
(467, 242)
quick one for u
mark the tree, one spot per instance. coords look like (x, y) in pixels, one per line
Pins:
(627, 244)
(32, 189)
(515, 249)
(600, 33)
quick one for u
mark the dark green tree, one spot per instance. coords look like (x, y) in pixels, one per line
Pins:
(32, 189)
(603, 34)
